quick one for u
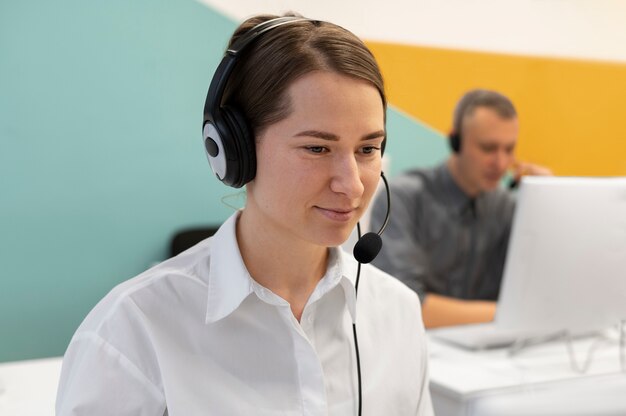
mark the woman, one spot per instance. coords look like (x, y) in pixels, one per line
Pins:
(257, 320)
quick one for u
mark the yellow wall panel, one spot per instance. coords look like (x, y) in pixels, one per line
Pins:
(572, 113)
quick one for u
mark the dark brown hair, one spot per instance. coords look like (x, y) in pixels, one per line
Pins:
(267, 68)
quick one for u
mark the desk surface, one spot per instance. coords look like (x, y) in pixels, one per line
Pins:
(539, 380)
(28, 388)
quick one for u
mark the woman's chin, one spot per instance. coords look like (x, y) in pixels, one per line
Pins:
(334, 239)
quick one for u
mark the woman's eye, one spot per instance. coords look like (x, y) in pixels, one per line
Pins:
(316, 149)
(369, 149)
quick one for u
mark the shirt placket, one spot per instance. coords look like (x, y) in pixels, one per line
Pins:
(309, 368)
(471, 220)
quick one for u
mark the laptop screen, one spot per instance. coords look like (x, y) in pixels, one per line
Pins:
(566, 261)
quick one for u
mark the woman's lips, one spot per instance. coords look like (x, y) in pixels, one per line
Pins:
(337, 214)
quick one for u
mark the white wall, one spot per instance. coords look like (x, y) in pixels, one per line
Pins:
(586, 29)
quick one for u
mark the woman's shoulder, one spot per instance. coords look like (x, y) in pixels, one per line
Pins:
(390, 306)
(128, 330)
(386, 289)
(158, 287)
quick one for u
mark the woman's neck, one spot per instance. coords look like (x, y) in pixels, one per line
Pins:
(279, 261)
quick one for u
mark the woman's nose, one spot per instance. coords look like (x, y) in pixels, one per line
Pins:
(346, 178)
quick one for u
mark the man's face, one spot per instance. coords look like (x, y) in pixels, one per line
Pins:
(487, 146)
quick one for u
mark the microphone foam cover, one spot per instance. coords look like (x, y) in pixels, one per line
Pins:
(367, 248)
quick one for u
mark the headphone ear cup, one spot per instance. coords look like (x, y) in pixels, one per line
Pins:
(244, 163)
(455, 142)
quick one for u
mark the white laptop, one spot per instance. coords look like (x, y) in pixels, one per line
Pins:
(565, 269)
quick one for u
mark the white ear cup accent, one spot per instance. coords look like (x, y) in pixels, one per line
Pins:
(218, 163)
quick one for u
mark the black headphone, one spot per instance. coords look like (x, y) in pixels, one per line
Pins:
(228, 139)
(455, 137)
(455, 141)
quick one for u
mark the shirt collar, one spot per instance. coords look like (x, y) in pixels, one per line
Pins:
(229, 282)
(455, 196)
(341, 271)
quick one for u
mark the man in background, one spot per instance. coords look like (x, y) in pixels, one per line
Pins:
(449, 225)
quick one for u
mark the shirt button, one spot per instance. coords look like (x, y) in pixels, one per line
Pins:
(310, 319)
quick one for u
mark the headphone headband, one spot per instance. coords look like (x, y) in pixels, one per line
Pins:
(247, 38)
(226, 66)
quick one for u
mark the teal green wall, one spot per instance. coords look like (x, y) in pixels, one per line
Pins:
(100, 152)
(101, 156)
(411, 143)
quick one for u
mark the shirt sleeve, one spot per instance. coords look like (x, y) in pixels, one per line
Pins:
(425, 406)
(98, 380)
(402, 255)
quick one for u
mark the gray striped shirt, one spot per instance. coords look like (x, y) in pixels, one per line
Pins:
(441, 241)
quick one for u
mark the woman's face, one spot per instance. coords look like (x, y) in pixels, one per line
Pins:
(318, 168)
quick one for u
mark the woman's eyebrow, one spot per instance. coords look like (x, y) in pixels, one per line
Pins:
(333, 137)
(318, 134)
(374, 135)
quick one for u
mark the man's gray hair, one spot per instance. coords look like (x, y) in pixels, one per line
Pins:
(481, 98)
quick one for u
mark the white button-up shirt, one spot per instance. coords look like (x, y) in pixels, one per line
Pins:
(196, 335)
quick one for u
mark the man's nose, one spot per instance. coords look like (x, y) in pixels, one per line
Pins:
(503, 160)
